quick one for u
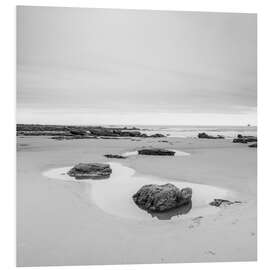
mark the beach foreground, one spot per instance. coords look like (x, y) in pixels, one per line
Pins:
(62, 222)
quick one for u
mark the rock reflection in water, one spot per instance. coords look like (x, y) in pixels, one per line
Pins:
(91, 177)
(182, 210)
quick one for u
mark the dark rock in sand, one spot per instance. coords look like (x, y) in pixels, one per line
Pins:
(254, 145)
(156, 152)
(203, 135)
(160, 198)
(90, 171)
(114, 156)
(221, 202)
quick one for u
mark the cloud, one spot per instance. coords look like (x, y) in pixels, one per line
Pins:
(110, 61)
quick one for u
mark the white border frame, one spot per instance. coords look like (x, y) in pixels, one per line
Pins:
(8, 151)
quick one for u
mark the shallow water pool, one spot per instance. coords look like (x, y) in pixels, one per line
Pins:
(114, 195)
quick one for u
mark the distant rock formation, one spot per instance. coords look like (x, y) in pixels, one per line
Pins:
(160, 198)
(156, 152)
(80, 132)
(221, 202)
(203, 135)
(90, 171)
(244, 139)
(114, 156)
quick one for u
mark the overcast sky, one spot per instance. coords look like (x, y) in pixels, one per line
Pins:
(96, 66)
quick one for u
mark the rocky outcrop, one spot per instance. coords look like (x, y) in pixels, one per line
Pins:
(244, 139)
(90, 171)
(81, 132)
(156, 152)
(203, 135)
(42, 133)
(160, 198)
(114, 156)
(221, 202)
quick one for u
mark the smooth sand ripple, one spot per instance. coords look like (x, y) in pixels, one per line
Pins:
(114, 195)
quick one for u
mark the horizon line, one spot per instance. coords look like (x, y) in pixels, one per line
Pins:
(134, 125)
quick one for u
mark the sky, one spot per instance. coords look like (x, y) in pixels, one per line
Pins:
(105, 66)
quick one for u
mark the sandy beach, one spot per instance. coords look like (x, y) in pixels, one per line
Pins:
(62, 222)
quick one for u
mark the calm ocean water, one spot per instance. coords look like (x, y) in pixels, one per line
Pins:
(192, 131)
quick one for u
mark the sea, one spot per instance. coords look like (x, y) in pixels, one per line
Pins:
(228, 132)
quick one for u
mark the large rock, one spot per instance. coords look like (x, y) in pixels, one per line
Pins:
(156, 152)
(90, 171)
(160, 198)
(203, 135)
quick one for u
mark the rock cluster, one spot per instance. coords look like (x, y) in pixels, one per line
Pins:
(160, 198)
(90, 171)
(244, 139)
(156, 152)
(203, 135)
(80, 132)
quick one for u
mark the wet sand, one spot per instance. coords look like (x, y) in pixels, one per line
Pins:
(62, 222)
